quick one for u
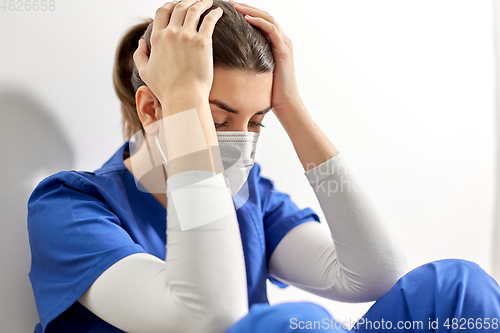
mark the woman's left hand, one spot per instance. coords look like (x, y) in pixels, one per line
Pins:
(285, 93)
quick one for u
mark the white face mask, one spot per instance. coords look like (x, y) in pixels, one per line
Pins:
(237, 151)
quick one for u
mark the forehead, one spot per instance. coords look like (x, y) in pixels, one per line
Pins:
(241, 87)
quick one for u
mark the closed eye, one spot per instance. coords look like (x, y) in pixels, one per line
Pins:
(252, 123)
(220, 124)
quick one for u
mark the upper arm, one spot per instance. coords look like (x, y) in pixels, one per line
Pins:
(134, 295)
(306, 257)
(280, 215)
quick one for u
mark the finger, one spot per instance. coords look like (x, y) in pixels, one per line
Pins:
(194, 12)
(241, 4)
(255, 12)
(179, 13)
(162, 16)
(244, 5)
(209, 21)
(140, 55)
(272, 31)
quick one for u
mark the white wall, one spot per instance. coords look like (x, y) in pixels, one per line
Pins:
(495, 260)
(405, 89)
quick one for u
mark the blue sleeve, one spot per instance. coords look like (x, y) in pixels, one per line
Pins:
(281, 215)
(74, 237)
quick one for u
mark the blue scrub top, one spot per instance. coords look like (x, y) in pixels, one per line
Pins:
(80, 223)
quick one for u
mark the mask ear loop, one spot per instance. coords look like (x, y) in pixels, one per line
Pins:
(162, 155)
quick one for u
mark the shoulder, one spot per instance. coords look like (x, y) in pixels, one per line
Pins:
(63, 181)
(91, 183)
(55, 182)
(68, 196)
(77, 182)
(67, 205)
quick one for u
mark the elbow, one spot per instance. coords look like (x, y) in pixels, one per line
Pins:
(357, 289)
(395, 269)
(210, 317)
(387, 274)
(214, 320)
(222, 319)
(378, 285)
(224, 312)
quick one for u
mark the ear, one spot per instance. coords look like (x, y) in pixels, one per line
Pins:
(148, 109)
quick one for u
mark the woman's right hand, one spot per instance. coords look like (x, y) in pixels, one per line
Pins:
(180, 64)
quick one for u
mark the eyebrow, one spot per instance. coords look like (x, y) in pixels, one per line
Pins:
(227, 108)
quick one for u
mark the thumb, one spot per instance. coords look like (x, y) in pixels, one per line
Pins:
(140, 55)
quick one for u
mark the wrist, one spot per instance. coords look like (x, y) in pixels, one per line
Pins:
(291, 113)
(176, 102)
(289, 108)
(172, 106)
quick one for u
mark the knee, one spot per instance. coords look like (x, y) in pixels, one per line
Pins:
(460, 268)
(447, 273)
(460, 273)
(466, 283)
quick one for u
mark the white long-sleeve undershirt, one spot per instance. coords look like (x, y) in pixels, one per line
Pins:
(361, 263)
(201, 286)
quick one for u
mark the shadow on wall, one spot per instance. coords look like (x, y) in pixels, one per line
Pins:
(33, 147)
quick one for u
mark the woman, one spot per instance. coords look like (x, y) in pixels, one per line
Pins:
(104, 260)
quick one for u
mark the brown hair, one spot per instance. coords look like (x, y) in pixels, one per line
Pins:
(236, 45)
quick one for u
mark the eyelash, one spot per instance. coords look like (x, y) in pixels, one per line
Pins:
(253, 123)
